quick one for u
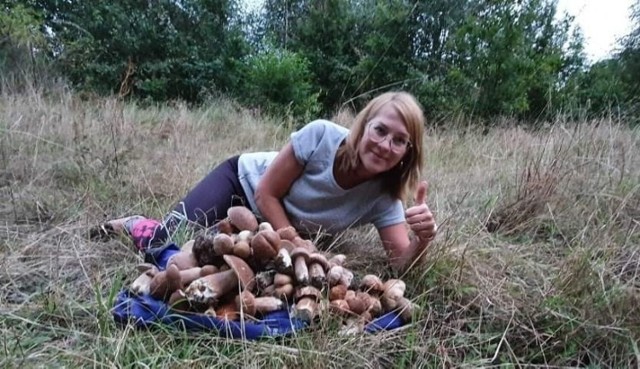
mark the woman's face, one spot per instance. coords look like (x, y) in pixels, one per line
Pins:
(384, 142)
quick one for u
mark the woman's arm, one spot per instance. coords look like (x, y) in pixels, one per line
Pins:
(275, 184)
(401, 249)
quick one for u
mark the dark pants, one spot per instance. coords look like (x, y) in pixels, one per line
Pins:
(205, 204)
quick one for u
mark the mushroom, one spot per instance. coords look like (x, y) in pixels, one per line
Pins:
(287, 233)
(164, 283)
(265, 245)
(371, 283)
(183, 260)
(189, 275)
(339, 275)
(211, 288)
(283, 287)
(283, 261)
(248, 304)
(300, 256)
(223, 244)
(338, 292)
(204, 251)
(142, 284)
(226, 311)
(188, 246)
(242, 249)
(265, 278)
(307, 303)
(340, 307)
(317, 265)
(242, 218)
(407, 309)
(265, 226)
(393, 292)
(358, 302)
(338, 259)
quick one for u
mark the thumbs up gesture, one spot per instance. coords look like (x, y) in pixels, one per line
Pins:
(419, 217)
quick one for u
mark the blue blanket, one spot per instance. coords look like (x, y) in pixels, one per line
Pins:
(144, 311)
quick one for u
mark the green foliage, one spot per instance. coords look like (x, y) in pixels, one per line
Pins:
(279, 82)
(159, 51)
(20, 40)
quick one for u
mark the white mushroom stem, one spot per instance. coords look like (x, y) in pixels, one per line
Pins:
(317, 275)
(306, 307)
(283, 261)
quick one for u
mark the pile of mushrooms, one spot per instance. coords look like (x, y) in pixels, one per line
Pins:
(246, 269)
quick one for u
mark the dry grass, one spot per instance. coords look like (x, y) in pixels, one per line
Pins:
(537, 262)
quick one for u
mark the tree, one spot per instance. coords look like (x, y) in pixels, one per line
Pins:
(153, 49)
(21, 43)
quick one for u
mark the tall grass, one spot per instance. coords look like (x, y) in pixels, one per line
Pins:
(537, 262)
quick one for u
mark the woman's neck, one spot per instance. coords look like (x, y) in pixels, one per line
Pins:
(348, 179)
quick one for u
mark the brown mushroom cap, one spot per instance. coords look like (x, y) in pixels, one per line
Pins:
(338, 259)
(265, 245)
(308, 292)
(287, 233)
(242, 218)
(318, 258)
(281, 279)
(338, 292)
(300, 252)
(222, 244)
(246, 303)
(242, 250)
(287, 245)
(242, 270)
(372, 283)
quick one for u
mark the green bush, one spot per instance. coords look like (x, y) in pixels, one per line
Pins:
(279, 83)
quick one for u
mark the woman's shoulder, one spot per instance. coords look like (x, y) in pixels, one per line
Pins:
(327, 126)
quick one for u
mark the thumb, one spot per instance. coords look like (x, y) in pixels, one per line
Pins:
(421, 193)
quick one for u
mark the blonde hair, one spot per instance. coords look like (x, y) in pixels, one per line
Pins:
(403, 178)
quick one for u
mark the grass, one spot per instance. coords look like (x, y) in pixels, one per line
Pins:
(537, 263)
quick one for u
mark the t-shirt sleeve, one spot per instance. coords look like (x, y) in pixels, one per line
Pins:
(305, 140)
(387, 214)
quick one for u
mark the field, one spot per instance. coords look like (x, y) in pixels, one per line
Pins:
(537, 263)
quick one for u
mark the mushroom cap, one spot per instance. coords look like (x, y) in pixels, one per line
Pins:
(222, 244)
(394, 288)
(283, 292)
(242, 249)
(319, 259)
(359, 303)
(372, 283)
(265, 245)
(308, 291)
(265, 226)
(338, 259)
(146, 267)
(340, 307)
(300, 251)
(287, 245)
(246, 303)
(242, 270)
(281, 279)
(287, 233)
(338, 292)
(242, 218)
(307, 244)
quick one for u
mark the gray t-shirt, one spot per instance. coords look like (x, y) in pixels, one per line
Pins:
(315, 201)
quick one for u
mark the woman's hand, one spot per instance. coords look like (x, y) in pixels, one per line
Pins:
(419, 217)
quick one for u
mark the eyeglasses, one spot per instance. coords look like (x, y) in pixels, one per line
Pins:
(378, 132)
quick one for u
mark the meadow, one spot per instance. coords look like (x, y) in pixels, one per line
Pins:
(537, 261)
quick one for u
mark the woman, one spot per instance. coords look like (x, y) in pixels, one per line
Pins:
(326, 178)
